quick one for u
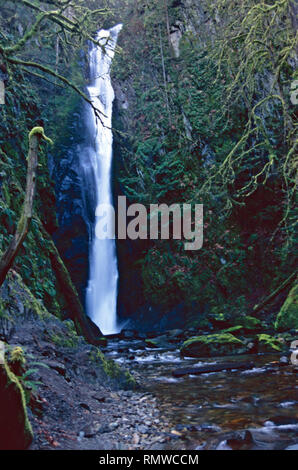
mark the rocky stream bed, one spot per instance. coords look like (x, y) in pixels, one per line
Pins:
(78, 407)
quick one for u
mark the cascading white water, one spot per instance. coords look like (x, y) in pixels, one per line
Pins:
(101, 293)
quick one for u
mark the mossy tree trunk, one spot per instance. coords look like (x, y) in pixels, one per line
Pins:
(26, 215)
(63, 278)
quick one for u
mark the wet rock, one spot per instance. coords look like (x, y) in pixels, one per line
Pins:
(142, 429)
(157, 446)
(220, 321)
(283, 420)
(99, 397)
(95, 330)
(129, 334)
(113, 426)
(85, 406)
(175, 335)
(284, 360)
(209, 428)
(158, 342)
(223, 446)
(211, 345)
(90, 430)
(60, 368)
(241, 440)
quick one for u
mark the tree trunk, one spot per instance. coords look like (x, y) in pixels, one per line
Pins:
(274, 294)
(164, 77)
(168, 24)
(27, 210)
(63, 278)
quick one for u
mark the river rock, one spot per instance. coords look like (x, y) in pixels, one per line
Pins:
(129, 334)
(220, 321)
(57, 366)
(175, 336)
(212, 345)
(158, 342)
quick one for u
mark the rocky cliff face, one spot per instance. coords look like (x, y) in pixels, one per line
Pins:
(174, 131)
(75, 204)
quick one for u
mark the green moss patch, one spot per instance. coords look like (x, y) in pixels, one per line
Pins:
(211, 345)
(15, 429)
(267, 343)
(287, 318)
(112, 370)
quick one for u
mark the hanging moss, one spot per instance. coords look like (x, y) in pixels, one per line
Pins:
(112, 370)
(15, 429)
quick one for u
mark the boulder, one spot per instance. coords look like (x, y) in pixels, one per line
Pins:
(287, 318)
(15, 429)
(220, 321)
(175, 336)
(129, 334)
(212, 345)
(159, 342)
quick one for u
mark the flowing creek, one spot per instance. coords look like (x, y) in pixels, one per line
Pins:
(213, 410)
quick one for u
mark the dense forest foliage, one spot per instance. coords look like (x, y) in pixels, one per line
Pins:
(210, 120)
(205, 112)
(40, 51)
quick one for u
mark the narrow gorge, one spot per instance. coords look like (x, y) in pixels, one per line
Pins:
(136, 343)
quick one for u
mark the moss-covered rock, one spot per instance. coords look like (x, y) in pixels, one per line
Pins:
(15, 429)
(267, 343)
(287, 318)
(112, 370)
(211, 345)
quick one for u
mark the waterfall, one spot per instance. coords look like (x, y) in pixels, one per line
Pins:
(101, 295)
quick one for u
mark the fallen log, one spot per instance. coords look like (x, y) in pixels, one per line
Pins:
(212, 368)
